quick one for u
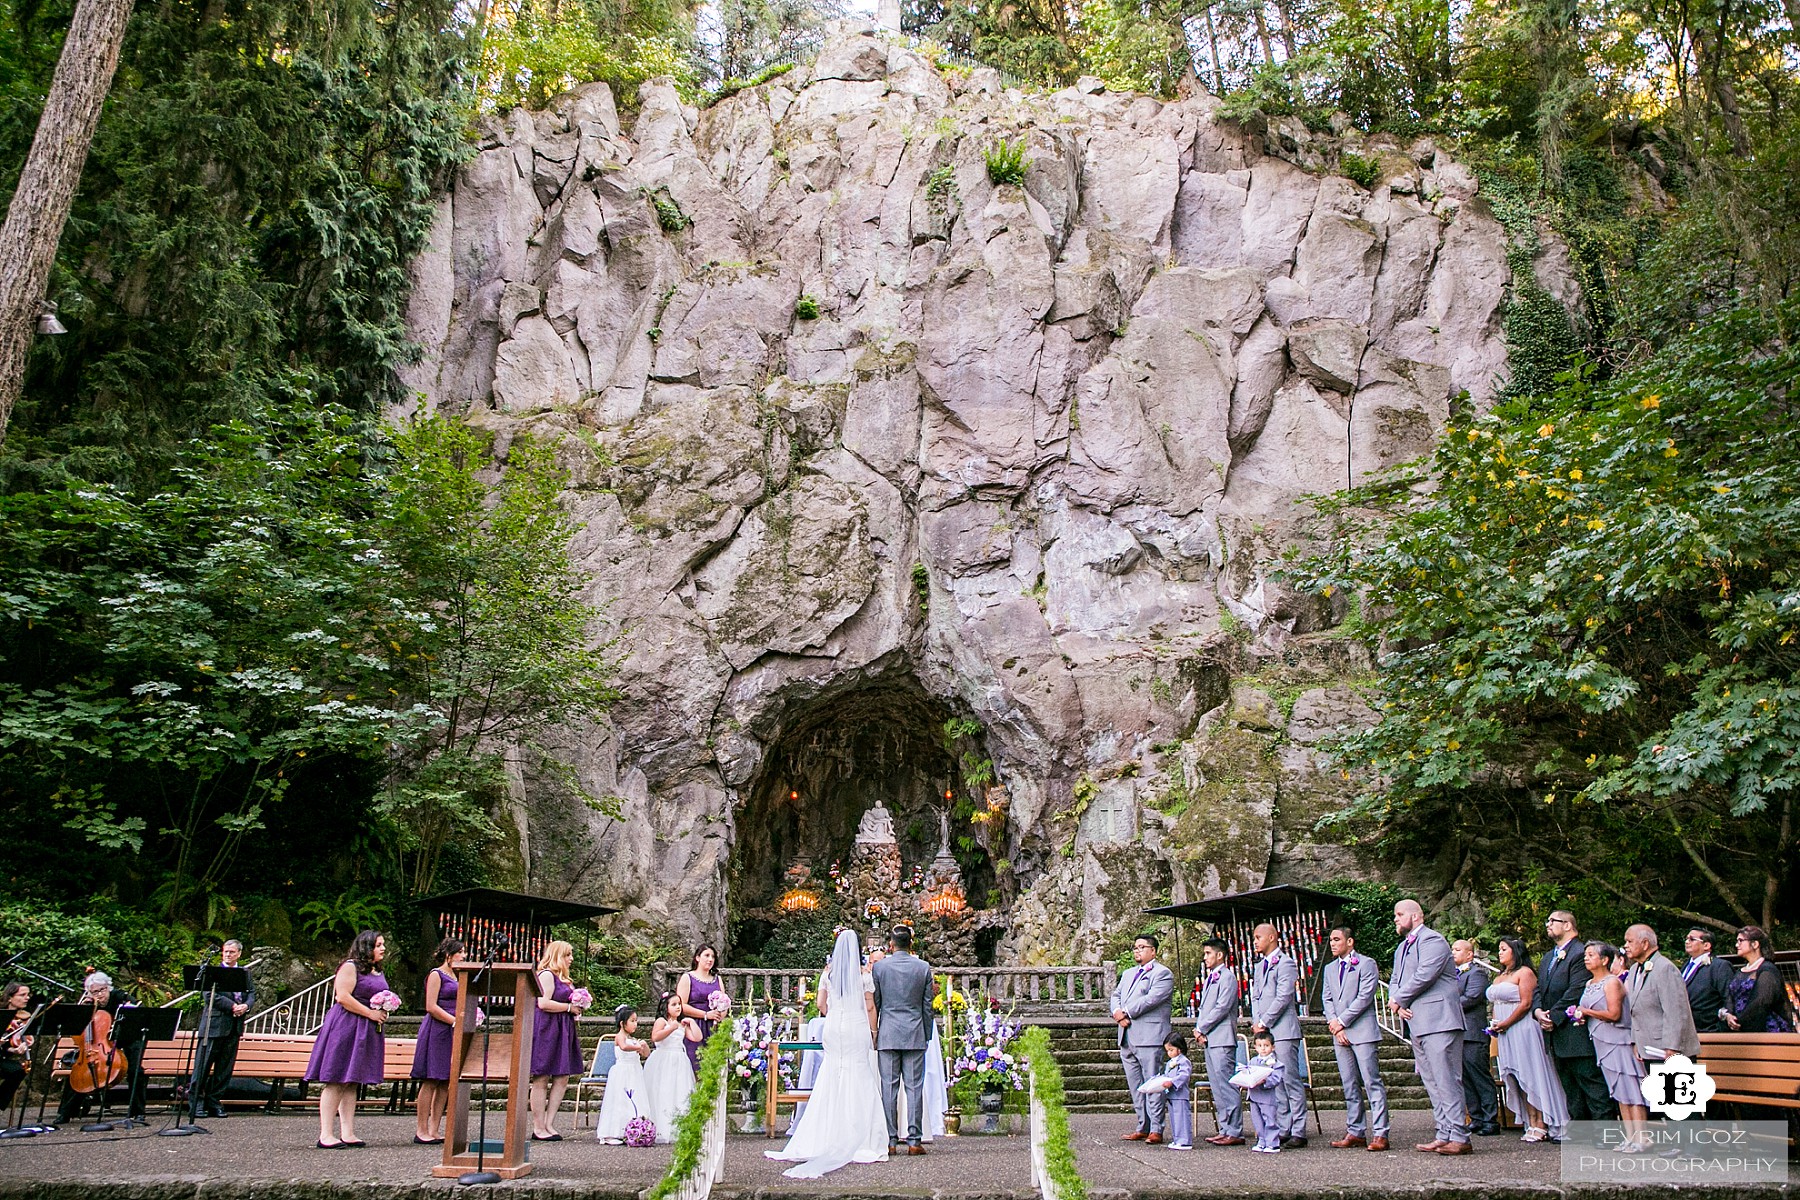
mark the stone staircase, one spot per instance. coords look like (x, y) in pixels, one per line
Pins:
(1095, 1083)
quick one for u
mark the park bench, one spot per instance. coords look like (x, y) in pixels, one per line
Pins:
(1754, 1068)
(279, 1058)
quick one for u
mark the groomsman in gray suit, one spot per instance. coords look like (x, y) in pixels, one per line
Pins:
(1215, 1032)
(1140, 1008)
(1426, 995)
(1275, 1006)
(1350, 980)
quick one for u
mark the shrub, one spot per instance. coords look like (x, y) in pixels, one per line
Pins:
(1047, 1084)
(806, 308)
(1365, 171)
(669, 214)
(1006, 162)
(690, 1127)
(940, 185)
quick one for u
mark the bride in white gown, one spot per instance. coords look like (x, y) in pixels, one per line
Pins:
(844, 1121)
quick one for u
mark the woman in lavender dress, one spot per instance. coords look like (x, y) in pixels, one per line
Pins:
(1526, 1073)
(696, 988)
(431, 1058)
(1606, 1011)
(350, 1049)
(555, 1046)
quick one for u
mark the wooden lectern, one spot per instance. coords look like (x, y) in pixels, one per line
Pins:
(508, 1059)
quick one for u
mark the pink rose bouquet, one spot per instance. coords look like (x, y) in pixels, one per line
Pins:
(718, 1004)
(385, 1001)
(581, 998)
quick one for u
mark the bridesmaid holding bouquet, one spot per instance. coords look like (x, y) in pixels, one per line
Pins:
(555, 1045)
(702, 998)
(431, 1058)
(350, 1049)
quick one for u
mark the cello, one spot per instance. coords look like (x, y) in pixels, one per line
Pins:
(98, 1060)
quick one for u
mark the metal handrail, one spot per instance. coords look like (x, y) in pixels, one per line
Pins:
(301, 1013)
(1390, 1024)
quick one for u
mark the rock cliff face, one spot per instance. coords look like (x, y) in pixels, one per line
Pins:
(1031, 463)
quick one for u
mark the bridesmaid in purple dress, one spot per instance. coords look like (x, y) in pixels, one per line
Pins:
(350, 1049)
(555, 1045)
(431, 1057)
(696, 988)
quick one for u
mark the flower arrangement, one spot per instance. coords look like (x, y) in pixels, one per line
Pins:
(640, 1131)
(959, 1002)
(718, 1004)
(750, 1055)
(986, 1054)
(581, 998)
(385, 1001)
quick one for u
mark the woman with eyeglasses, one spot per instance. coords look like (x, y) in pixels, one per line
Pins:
(1755, 999)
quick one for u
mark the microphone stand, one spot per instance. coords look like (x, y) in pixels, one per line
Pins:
(202, 1040)
(481, 1174)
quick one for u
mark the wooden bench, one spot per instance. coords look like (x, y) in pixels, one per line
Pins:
(279, 1058)
(1753, 1068)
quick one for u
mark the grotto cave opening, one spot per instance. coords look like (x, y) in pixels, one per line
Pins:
(890, 760)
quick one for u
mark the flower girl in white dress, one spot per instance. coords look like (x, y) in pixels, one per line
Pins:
(625, 1092)
(669, 1076)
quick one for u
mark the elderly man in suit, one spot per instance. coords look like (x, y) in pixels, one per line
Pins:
(224, 1029)
(1215, 1033)
(1706, 979)
(1561, 977)
(1426, 996)
(1275, 1006)
(1140, 1008)
(1661, 1021)
(1350, 980)
(903, 988)
(1480, 1096)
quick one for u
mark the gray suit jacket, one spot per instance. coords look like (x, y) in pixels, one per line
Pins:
(902, 1002)
(1216, 1020)
(1473, 985)
(1350, 996)
(1660, 1015)
(1424, 981)
(1273, 1003)
(1144, 994)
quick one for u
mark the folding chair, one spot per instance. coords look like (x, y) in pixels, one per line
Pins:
(595, 1079)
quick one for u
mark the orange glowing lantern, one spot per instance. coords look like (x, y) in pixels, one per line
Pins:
(799, 899)
(946, 903)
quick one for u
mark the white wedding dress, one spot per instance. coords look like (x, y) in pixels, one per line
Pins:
(668, 1082)
(844, 1121)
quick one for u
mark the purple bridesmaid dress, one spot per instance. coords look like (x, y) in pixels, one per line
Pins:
(555, 1046)
(431, 1058)
(349, 1048)
(699, 992)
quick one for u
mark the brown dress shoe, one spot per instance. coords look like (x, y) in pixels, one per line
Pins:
(915, 1150)
(1154, 1139)
(1219, 1139)
(1348, 1141)
(1138, 1136)
(1379, 1143)
(1429, 1147)
(1456, 1148)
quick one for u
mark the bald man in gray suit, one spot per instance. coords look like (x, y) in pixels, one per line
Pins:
(1426, 994)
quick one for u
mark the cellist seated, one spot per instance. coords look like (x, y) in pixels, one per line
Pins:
(97, 989)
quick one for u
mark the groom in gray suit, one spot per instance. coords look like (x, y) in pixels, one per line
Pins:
(903, 988)
(1140, 1008)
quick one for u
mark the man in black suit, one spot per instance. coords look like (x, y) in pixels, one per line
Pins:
(224, 1028)
(1480, 1096)
(1706, 979)
(1561, 978)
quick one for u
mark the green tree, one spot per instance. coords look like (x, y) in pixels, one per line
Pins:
(500, 644)
(1591, 627)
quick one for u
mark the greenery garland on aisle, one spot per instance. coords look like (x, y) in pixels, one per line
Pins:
(690, 1128)
(1047, 1087)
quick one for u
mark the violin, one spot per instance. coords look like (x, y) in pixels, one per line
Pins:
(98, 1060)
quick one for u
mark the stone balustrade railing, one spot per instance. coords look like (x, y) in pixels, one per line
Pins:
(1035, 989)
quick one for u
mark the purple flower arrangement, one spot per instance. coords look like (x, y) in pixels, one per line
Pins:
(984, 1053)
(385, 1001)
(640, 1132)
(750, 1058)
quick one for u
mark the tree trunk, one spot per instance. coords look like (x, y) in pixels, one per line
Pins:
(46, 191)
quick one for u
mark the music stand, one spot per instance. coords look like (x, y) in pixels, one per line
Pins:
(71, 1021)
(136, 1026)
(211, 979)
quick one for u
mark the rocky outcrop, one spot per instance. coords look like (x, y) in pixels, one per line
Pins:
(1039, 446)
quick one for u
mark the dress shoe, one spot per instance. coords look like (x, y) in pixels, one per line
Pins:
(893, 1150)
(1154, 1139)
(1430, 1147)
(215, 1112)
(1293, 1143)
(1456, 1148)
(1219, 1139)
(1136, 1136)
(1378, 1143)
(1348, 1142)
(915, 1150)
(1488, 1131)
